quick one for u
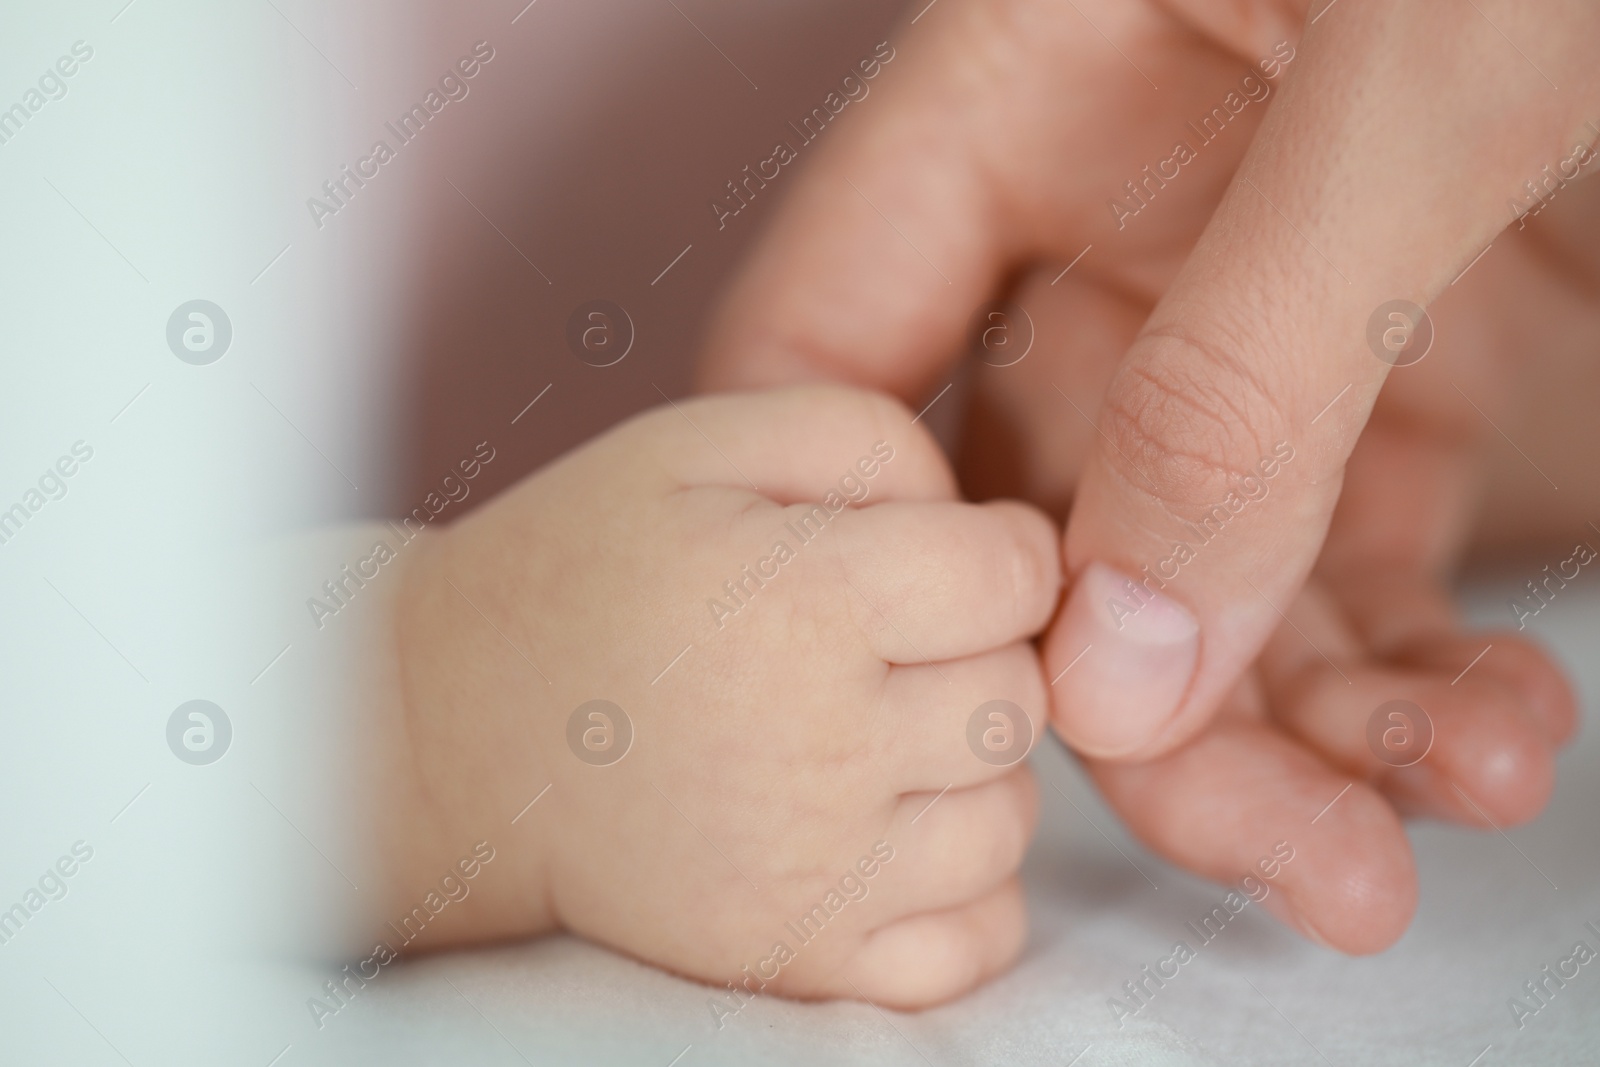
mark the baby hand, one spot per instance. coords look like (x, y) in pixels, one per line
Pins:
(745, 642)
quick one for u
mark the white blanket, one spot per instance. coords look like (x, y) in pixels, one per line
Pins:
(1488, 921)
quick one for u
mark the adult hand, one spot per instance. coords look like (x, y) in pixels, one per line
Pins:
(1382, 172)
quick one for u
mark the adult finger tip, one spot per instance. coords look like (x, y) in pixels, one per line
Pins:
(1526, 669)
(1538, 680)
(1501, 772)
(1356, 889)
(1118, 675)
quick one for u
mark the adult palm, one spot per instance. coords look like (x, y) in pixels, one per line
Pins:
(1189, 340)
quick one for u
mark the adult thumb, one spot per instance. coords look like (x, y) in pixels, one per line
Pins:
(1384, 169)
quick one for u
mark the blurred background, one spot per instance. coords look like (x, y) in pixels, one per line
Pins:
(222, 365)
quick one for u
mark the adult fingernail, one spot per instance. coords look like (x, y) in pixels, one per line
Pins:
(1138, 652)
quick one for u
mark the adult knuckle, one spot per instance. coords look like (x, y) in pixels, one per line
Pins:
(1189, 416)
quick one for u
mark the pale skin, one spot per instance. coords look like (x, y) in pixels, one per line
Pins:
(808, 731)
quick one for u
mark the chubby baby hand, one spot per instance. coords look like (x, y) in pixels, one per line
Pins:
(769, 683)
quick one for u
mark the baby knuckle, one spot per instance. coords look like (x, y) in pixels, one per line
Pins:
(1035, 563)
(1027, 798)
(886, 412)
(1020, 575)
(860, 411)
(1008, 838)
